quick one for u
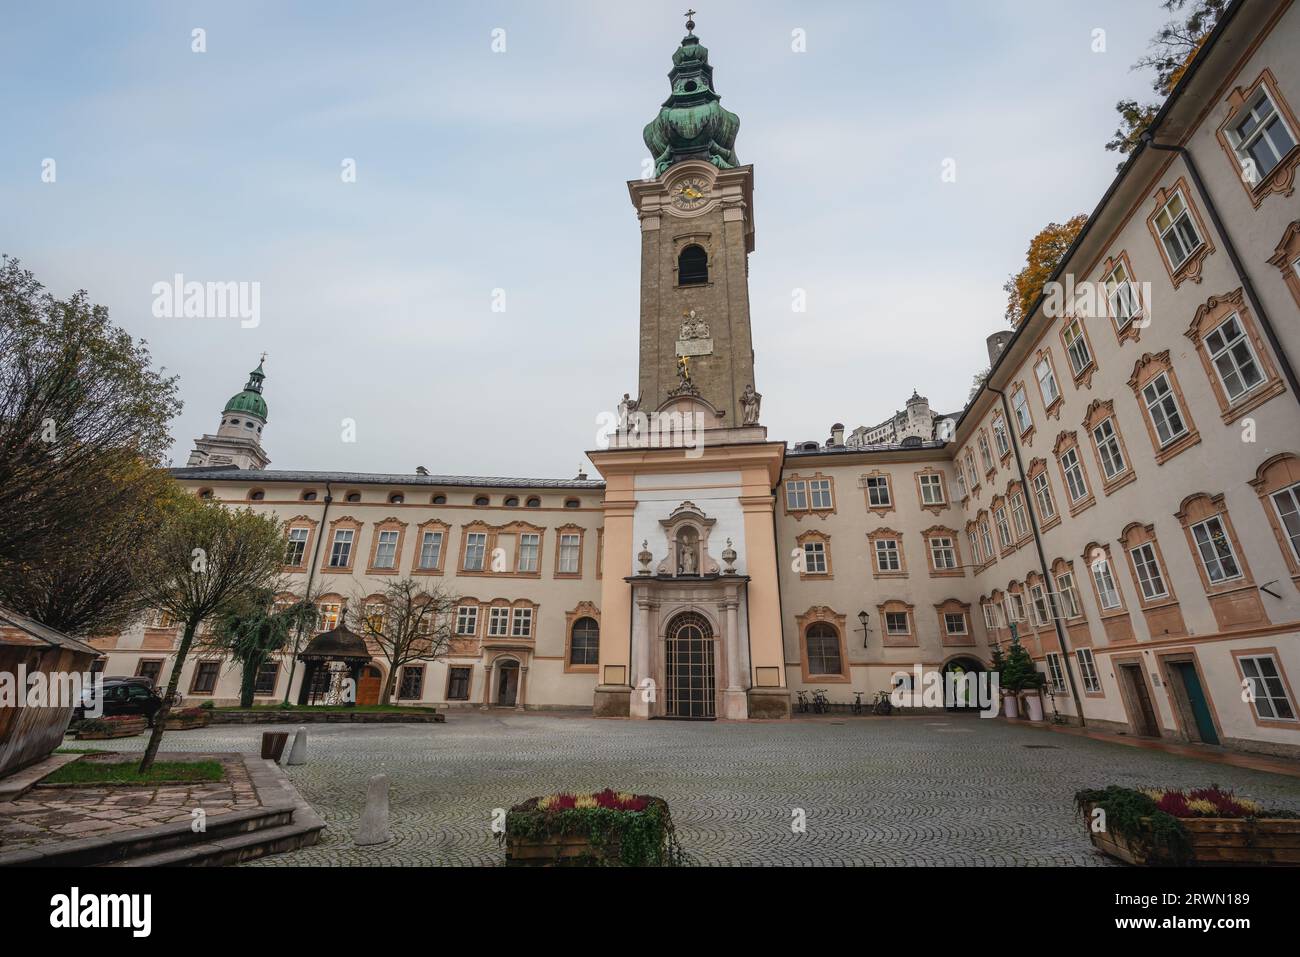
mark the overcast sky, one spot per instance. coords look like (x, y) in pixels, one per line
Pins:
(479, 171)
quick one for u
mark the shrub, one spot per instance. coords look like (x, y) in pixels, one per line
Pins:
(637, 824)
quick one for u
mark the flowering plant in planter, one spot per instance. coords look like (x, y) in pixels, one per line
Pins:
(606, 828)
(1195, 826)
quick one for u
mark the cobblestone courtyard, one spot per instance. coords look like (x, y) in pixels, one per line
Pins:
(905, 791)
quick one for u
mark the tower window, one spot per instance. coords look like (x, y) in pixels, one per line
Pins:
(693, 266)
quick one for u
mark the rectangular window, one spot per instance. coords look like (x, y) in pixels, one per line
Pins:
(475, 550)
(796, 496)
(1233, 358)
(1019, 520)
(1000, 436)
(932, 490)
(374, 619)
(1055, 673)
(328, 618)
(341, 552)
(1047, 381)
(569, 547)
(878, 491)
(986, 539)
(1015, 606)
(296, 546)
(1020, 406)
(943, 553)
(1217, 555)
(1068, 602)
(989, 621)
(498, 622)
(1075, 483)
(431, 550)
(458, 684)
(1038, 603)
(954, 623)
(1261, 137)
(823, 653)
(961, 481)
(887, 559)
(1088, 668)
(976, 555)
(467, 620)
(896, 623)
(970, 470)
(1108, 449)
(986, 456)
(1162, 406)
(1122, 296)
(1004, 530)
(1148, 572)
(386, 550)
(1177, 231)
(1267, 691)
(820, 490)
(530, 544)
(205, 677)
(1107, 593)
(1043, 495)
(1076, 347)
(411, 687)
(150, 668)
(521, 623)
(1287, 503)
(814, 558)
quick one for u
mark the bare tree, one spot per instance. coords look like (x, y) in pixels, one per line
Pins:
(212, 559)
(412, 622)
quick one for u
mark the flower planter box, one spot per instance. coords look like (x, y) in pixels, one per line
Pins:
(1212, 841)
(184, 722)
(601, 830)
(123, 728)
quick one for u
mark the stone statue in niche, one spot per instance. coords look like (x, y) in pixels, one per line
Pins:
(750, 401)
(688, 552)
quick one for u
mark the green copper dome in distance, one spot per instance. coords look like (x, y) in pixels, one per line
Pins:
(692, 123)
(250, 401)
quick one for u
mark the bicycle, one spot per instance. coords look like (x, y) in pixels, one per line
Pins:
(883, 705)
(858, 706)
(820, 702)
(802, 706)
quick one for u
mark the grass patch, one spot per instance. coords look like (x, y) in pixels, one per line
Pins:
(81, 751)
(320, 708)
(128, 772)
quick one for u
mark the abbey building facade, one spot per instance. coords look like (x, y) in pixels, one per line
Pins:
(1123, 491)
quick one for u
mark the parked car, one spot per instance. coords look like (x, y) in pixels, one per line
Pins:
(122, 696)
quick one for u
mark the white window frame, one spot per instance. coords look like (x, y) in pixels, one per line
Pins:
(1039, 606)
(521, 623)
(1226, 353)
(1074, 475)
(1154, 398)
(889, 626)
(530, 551)
(814, 558)
(296, 546)
(878, 494)
(475, 551)
(1103, 577)
(1076, 347)
(1020, 407)
(1019, 516)
(1122, 296)
(1055, 673)
(986, 453)
(1150, 576)
(1241, 145)
(430, 550)
(498, 621)
(570, 548)
(1267, 689)
(819, 495)
(932, 489)
(1109, 452)
(341, 547)
(1046, 377)
(1203, 536)
(943, 553)
(960, 616)
(796, 495)
(1004, 528)
(1000, 436)
(386, 548)
(1288, 519)
(1069, 595)
(986, 538)
(1088, 669)
(466, 620)
(887, 548)
(1043, 494)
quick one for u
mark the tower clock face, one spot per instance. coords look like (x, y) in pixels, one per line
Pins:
(690, 193)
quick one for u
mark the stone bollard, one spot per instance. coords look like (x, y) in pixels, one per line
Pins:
(298, 754)
(374, 819)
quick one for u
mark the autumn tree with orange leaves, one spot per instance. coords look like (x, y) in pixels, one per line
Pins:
(1046, 250)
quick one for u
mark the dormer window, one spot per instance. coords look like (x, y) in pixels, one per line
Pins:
(572, 503)
(352, 497)
(481, 500)
(512, 501)
(440, 500)
(534, 502)
(309, 495)
(397, 498)
(256, 495)
(693, 266)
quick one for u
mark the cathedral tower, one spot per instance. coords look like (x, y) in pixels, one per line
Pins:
(697, 231)
(238, 442)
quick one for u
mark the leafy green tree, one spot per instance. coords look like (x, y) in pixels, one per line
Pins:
(212, 560)
(253, 630)
(80, 409)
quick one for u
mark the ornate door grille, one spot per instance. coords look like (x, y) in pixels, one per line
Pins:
(689, 667)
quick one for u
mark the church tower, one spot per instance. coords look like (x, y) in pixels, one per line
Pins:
(697, 231)
(690, 622)
(238, 442)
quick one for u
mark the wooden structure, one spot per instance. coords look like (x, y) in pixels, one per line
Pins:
(29, 733)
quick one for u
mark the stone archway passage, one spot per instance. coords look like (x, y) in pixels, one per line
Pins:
(965, 671)
(689, 668)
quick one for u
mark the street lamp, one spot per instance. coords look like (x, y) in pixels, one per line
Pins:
(862, 620)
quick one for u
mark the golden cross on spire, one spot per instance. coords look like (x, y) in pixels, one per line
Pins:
(263, 356)
(690, 20)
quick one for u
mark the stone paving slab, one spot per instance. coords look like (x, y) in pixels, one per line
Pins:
(955, 790)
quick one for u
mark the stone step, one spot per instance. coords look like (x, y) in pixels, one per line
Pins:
(233, 849)
(142, 842)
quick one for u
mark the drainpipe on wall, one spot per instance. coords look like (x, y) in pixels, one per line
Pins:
(311, 573)
(1042, 556)
(1237, 265)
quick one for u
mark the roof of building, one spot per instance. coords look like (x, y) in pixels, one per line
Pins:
(340, 643)
(912, 445)
(250, 401)
(40, 634)
(223, 473)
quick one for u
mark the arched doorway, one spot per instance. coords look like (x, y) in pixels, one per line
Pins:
(507, 683)
(689, 667)
(961, 684)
